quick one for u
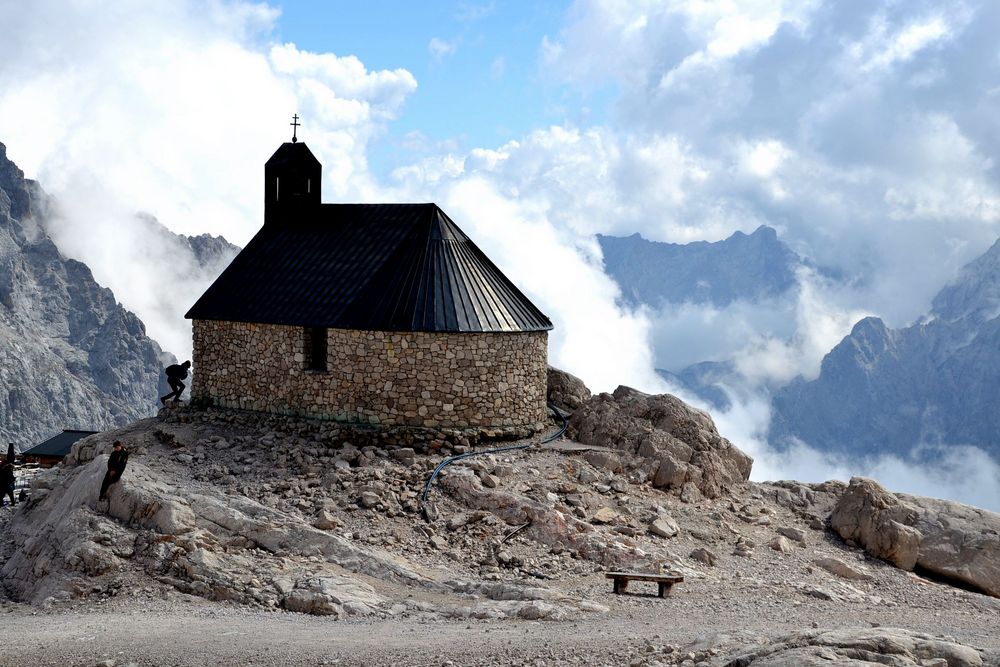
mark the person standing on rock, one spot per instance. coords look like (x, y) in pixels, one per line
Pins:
(176, 373)
(116, 466)
(7, 481)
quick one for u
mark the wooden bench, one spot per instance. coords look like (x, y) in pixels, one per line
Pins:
(666, 581)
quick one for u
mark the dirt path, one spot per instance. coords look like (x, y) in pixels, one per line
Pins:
(192, 632)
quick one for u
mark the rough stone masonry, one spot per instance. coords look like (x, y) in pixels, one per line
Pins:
(434, 380)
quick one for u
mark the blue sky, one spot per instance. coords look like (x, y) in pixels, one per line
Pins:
(477, 64)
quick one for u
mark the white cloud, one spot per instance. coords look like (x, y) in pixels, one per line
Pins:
(498, 67)
(652, 42)
(172, 109)
(963, 473)
(440, 48)
(475, 11)
(886, 46)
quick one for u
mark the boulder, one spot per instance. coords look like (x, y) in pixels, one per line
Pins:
(604, 515)
(796, 534)
(841, 569)
(603, 460)
(536, 610)
(567, 392)
(678, 444)
(664, 526)
(312, 602)
(847, 646)
(326, 520)
(781, 543)
(949, 540)
(405, 455)
(704, 556)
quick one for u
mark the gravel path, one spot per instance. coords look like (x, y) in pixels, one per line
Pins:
(190, 631)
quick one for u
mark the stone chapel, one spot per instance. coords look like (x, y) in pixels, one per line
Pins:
(383, 314)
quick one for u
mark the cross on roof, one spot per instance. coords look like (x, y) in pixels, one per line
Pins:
(295, 127)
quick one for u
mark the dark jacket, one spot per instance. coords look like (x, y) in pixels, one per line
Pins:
(176, 371)
(6, 475)
(117, 461)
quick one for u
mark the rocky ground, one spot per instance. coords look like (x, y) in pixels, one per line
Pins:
(237, 539)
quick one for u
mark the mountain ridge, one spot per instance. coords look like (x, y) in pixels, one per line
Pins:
(935, 382)
(740, 267)
(72, 356)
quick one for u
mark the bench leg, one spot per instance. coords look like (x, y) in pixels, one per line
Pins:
(665, 589)
(620, 586)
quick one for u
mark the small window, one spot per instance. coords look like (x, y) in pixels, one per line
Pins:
(315, 348)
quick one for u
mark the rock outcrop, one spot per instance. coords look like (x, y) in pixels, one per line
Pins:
(565, 391)
(212, 253)
(948, 540)
(256, 517)
(846, 646)
(70, 355)
(675, 445)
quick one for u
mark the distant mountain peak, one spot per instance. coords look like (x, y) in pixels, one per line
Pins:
(740, 267)
(974, 293)
(14, 186)
(883, 390)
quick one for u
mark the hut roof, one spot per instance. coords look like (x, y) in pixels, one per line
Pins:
(384, 267)
(58, 445)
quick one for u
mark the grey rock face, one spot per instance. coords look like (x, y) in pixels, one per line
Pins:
(953, 541)
(204, 509)
(681, 445)
(887, 390)
(848, 646)
(566, 391)
(70, 355)
(740, 267)
(211, 252)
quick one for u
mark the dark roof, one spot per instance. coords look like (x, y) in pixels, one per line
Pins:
(289, 153)
(58, 445)
(383, 267)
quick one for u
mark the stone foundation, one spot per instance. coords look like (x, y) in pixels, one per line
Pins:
(431, 380)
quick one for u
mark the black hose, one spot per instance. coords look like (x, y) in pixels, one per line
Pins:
(458, 457)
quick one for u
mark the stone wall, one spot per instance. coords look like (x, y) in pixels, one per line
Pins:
(434, 380)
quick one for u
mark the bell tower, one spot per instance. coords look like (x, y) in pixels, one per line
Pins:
(292, 181)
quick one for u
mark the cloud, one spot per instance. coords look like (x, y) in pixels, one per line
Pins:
(440, 48)
(962, 473)
(172, 109)
(886, 46)
(805, 116)
(498, 67)
(474, 11)
(650, 44)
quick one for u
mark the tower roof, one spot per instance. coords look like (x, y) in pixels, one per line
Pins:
(383, 267)
(289, 153)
